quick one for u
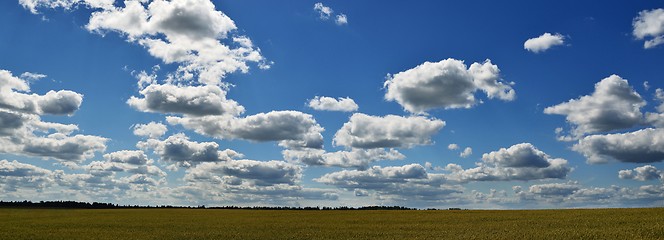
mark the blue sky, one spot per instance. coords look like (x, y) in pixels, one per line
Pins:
(477, 104)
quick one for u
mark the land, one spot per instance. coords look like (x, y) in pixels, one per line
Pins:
(183, 223)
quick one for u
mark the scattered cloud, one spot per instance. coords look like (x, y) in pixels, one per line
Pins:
(330, 104)
(190, 100)
(292, 129)
(649, 24)
(355, 158)
(453, 146)
(614, 105)
(446, 84)
(642, 146)
(466, 152)
(182, 152)
(14, 95)
(150, 130)
(643, 173)
(365, 131)
(521, 162)
(325, 12)
(544, 42)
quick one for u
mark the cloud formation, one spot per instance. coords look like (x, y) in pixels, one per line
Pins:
(521, 162)
(446, 84)
(150, 130)
(544, 42)
(643, 173)
(365, 131)
(14, 95)
(642, 146)
(325, 12)
(189, 100)
(649, 24)
(291, 129)
(330, 104)
(614, 105)
(179, 150)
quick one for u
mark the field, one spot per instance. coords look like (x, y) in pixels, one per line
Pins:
(366, 224)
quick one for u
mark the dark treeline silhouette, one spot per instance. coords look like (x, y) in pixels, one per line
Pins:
(98, 205)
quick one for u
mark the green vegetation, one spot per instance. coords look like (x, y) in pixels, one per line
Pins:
(369, 224)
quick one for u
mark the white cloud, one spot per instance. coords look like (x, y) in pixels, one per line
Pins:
(355, 158)
(519, 162)
(643, 173)
(14, 96)
(15, 175)
(400, 182)
(59, 146)
(324, 11)
(190, 100)
(32, 76)
(649, 24)
(182, 152)
(365, 131)
(612, 106)
(466, 152)
(341, 19)
(543, 42)
(446, 84)
(330, 104)
(657, 119)
(188, 32)
(33, 5)
(150, 130)
(251, 172)
(453, 146)
(554, 189)
(642, 146)
(291, 128)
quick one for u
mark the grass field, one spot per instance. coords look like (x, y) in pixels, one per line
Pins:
(275, 224)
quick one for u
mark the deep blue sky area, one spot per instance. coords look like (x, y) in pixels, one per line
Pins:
(341, 102)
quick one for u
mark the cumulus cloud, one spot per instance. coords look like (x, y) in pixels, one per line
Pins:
(365, 131)
(190, 100)
(238, 172)
(15, 175)
(642, 146)
(59, 146)
(150, 130)
(330, 104)
(543, 42)
(14, 95)
(554, 189)
(341, 19)
(355, 158)
(453, 146)
(32, 76)
(326, 12)
(649, 24)
(188, 32)
(643, 173)
(291, 128)
(179, 150)
(519, 162)
(466, 152)
(446, 84)
(614, 105)
(657, 119)
(400, 182)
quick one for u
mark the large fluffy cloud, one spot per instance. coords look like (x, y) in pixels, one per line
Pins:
(291, 128)
(188, 32)
(75, 148)
(649, 24)
(543, 42)
(330, 104)
(613, 105)
(365, 131)
(150, 130)
(14, 95)
(446, 84)
(15, 175)
(642, 146)
(190, 100)
(179, 150)
(519, 162)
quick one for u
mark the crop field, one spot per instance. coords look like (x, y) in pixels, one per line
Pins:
(358, 224)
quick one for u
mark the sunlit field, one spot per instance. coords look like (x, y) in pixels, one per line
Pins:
(364, 224)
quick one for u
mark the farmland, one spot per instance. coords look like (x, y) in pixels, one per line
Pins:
(640, 223)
